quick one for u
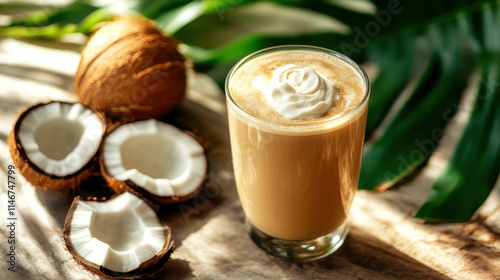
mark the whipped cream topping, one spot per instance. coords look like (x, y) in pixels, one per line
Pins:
(297, 92)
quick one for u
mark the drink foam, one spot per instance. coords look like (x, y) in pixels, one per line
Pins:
(350, 85)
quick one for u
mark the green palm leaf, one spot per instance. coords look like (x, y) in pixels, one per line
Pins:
(415, 130)
(390, 54)
(54, 22)
(473, 169)
(460, 184)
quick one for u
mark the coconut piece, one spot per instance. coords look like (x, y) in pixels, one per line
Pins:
(131, 70)
(119, 238)
(154, 159)
(54, 145)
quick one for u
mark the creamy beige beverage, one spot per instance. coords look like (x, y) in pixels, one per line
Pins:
(296, 136)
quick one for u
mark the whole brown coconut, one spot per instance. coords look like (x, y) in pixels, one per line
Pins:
(130, 70)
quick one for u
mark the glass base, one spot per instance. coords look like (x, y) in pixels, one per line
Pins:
(299, 250)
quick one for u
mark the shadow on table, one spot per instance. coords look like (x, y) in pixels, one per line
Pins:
(58, 203)
(177, 269)
(363, 252)
(44, 76)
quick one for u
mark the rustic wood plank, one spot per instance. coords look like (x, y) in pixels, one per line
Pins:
(209, 232)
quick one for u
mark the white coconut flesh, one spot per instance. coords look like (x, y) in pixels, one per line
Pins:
(118, 234)
(155, 156)
(60, 138)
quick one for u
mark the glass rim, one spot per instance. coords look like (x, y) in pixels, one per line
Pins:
(338, 55)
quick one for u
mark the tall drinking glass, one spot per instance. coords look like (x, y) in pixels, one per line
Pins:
(296, 178)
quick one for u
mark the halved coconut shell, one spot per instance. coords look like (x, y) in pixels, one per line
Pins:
(54, 145)
(119, 238)
(155, 160)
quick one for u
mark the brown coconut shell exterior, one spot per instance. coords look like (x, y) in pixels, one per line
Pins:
(152, 267)
(130, 70)
(119, 186)
(38, 177)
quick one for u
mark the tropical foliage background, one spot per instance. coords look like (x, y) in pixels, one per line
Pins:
(423, 56)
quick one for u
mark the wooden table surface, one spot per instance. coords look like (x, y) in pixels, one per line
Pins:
(385, 242)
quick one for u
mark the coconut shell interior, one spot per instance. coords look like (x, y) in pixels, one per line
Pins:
(119, 186)
(148, 269)
(38, 177)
